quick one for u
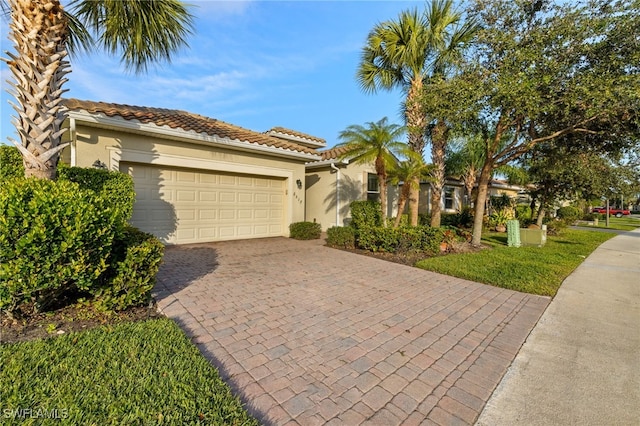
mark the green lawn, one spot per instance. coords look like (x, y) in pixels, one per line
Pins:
(536, 270)
(133, 373)
(622, 224)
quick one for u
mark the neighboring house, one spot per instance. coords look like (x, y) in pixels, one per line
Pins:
(454, 197)
(451, 201)
(498, 187)
(197, 179)
(333, 183)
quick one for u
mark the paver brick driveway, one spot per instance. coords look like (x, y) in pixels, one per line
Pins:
(308, 335)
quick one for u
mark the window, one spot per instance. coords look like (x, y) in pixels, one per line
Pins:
(449, 194)
(373, 189)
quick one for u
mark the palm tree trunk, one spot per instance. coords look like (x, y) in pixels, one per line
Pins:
(438, 144)
(469, 180)
(382, 183)
(416, 123)
(38, 30)
(414, 194)
(483, 189)
(402, 202)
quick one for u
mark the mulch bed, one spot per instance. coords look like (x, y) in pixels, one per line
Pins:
(410, 259)
(65, 320)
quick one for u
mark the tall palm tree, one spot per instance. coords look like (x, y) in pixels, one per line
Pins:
(408, 171)
(378, 143)
(43, 33)
(405, 54)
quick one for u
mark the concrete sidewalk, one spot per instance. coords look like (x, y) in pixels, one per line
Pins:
(581, 363)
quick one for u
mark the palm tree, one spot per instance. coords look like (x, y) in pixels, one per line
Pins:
(408, 171)
(464, 162)
(378, 143)
(43, 33)
(407, 53)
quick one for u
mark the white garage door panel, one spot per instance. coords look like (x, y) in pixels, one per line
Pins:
(184, 206)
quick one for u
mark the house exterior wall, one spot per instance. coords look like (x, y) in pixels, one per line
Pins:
(114, 146)
(498, 191)
(424, 203)
(321, 193)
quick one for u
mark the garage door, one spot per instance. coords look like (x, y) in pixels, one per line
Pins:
(189, 206)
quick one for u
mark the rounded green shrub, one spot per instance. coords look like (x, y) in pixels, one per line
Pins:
(134, 263)
(305, 230)
(117, 188)
(365, 214)
(341, 236)
(10, 163)
(54, 238)
(569, 214)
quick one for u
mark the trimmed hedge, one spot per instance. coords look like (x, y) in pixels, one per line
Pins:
(305, 230)
(341, 236)
(136, 258)
(54, 238)
(401, 240)
(365, 214)
(10, 163)
(117, 188)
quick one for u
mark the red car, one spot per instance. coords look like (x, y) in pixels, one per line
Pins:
(612, 211)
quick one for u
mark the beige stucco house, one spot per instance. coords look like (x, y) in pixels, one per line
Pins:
(332, 183)
(197, 179)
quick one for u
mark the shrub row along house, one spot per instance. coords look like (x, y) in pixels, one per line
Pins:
(198, 179)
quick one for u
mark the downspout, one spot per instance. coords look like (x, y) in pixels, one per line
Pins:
(72, 135)
(333, 166)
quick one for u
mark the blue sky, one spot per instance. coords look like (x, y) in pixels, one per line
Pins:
(256, 64)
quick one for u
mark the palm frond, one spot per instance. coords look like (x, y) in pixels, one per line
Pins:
(141, 32)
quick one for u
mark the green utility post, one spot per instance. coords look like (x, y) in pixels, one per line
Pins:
(513, 233)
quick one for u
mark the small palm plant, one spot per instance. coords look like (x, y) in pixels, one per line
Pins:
(378, 143)
(410, 172)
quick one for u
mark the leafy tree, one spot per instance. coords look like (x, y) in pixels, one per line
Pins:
(541, 72)
(405, 53)
(42, 32)
(408, 171)
(560, 173)
(377, 143)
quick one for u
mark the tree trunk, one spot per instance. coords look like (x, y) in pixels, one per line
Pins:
(414, 194)
(402, 202)
(541, 213)
(41, 174)
(39, 33)
(416, 124)
(438, 144)
(382, 183)
(469, 180)
(483, 189)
